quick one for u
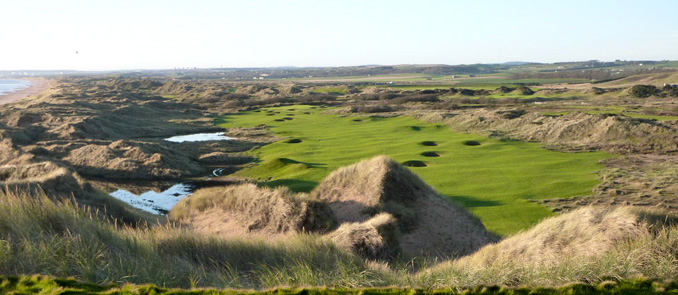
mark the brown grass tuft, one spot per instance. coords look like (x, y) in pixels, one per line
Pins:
(376, 238)
(248, 209)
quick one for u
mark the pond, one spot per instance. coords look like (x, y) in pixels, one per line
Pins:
(199, 137)
(155, 202)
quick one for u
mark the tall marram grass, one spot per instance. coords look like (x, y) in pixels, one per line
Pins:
(649, 256)
(43, 236)
(39, 235)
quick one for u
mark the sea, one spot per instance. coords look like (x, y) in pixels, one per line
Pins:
(8, 86)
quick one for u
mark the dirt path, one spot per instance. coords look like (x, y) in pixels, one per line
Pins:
(39, 85)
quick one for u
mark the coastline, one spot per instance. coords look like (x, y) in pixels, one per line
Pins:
(39, 85)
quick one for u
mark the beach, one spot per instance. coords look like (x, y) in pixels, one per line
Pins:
(39, 85)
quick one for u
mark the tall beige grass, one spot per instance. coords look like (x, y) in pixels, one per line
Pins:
(40, 235)
(253, 208)
(587, 245)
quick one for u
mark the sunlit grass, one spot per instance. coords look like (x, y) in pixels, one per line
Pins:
(495, 180)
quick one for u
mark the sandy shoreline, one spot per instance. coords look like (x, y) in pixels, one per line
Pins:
(39, 85)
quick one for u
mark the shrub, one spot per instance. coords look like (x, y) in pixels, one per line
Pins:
(643, 91)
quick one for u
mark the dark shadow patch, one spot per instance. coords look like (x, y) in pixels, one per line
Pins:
(288, 118)
(270, 114)
(307, 113)
(428, 143)
(414, 163)
(357, 120)
(257, 111)
(294, 140)
(430, 154)
(472, 143)
(298, 186)
(279, 120)
(415, 128)
(291, 115)
(470, 202)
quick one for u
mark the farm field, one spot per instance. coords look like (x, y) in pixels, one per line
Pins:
(494, 179)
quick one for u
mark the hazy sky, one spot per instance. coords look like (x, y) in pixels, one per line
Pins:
(149, 34)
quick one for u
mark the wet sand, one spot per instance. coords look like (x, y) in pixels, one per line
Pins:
(39, 85)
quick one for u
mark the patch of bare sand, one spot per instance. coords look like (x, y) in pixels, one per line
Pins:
(39, 85)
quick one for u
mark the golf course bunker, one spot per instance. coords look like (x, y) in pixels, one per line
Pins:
(414, 163)
(428, 143)
(294, 140)
(430, 154)
(154, 202)
(472, 143)
(199, 137)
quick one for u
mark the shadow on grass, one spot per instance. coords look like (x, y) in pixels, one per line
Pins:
(295, 185)
(471, 202)
(287, 161)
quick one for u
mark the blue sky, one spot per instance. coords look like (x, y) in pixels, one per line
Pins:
(123, 34)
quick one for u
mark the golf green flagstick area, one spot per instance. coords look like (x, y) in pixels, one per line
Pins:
(494, 179)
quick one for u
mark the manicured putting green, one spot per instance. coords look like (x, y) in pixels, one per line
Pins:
(492, 178)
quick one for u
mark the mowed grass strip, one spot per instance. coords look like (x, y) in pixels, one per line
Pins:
(495, 179)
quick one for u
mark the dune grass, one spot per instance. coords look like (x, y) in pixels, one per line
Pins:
(42, 236)
(495, 180)
(57, 238)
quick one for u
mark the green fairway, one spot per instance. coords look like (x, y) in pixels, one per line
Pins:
(495, 179)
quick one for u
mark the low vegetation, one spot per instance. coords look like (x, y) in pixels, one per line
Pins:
(49, 285)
